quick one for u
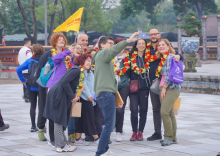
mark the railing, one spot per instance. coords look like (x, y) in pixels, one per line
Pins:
(9, 54)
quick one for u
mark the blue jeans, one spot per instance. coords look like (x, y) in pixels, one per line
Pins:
(106, 101)
(72, 125)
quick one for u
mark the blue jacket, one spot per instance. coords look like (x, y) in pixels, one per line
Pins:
(89, 84)
(24, 66)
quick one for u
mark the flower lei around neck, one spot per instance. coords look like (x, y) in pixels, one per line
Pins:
(123, 70)
(150, 58)
(134, 66)
(81, 79)
(161, 64)
(67, 59)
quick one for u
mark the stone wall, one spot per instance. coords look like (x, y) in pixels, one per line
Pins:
(201, 84)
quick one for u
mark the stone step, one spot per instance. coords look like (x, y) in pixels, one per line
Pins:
(206, 84)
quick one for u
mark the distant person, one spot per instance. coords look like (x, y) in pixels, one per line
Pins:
(24, 54)
(82, 39)
(3, 126)
(31, 64)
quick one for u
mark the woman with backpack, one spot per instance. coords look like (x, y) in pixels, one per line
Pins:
(169, 92)
(32, 64)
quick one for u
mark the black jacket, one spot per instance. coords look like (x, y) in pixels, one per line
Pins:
(60, 95)
(43, 61)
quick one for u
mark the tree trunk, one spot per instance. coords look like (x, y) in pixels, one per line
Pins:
(33, 3)
(199, 11)
(25, 21)
(52, 21)
(182, 5)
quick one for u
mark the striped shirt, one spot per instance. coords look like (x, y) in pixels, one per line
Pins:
(165, 72)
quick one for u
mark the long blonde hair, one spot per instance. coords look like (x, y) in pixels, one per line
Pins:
(171, 50)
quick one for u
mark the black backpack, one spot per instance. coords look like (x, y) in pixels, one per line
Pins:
(33, 74)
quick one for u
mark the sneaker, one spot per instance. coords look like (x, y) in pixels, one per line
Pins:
(96, 143)
(66, 148)
(110, 153)
(118, 137)
(134, 137)
(140, 136)
(41, 136)
(218, 154)
(154, 136)
(26, 100)
(81, 142)
(52, 144)
(72, 137)
(34, 129)
(166, 142)
(6, 126)
(174, 141)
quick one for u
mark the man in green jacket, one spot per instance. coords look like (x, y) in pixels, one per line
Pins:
(105, 86)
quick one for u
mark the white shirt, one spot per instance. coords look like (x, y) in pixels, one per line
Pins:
(24, 54)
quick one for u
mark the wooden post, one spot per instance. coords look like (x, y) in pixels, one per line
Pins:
(179, 20)
(218, 45)
(204, 19)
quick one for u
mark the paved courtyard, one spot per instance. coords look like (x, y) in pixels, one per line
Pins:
(198, 129)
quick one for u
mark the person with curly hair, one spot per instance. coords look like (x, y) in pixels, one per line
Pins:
(38, 50)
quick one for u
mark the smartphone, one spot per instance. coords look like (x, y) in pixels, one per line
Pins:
(143, 35)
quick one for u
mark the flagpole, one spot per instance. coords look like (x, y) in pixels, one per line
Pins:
(45, 22)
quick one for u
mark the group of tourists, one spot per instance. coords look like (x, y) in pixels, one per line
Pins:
(106, 69)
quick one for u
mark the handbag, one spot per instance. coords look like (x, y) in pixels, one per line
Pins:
(76, 109)
(134, 86)
(155, 86)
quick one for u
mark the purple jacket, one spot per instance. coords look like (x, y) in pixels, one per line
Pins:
(61, 68)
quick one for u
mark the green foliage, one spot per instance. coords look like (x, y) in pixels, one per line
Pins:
(192, 25)
(128, 25)
(135, 7)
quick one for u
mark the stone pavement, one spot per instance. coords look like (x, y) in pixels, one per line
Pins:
(198, 129)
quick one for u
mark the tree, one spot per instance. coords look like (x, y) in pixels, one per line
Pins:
(33, 3)
(135, 7)
(192, 25)
(200, 6)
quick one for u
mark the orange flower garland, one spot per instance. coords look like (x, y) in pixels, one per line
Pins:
(161, 64)
(67, 60)
(149, 57)
(134, 64)
(124, 69)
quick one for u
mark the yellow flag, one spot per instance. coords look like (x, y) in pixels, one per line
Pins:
(72, 23)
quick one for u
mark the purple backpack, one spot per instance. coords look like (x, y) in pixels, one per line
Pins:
(176, 71)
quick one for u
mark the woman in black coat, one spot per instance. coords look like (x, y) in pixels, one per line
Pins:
(58, 104)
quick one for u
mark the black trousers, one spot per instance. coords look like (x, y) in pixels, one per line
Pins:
(41, 119)
(98, 118)
(26, 90)
(155, 100)
(139, 99)
(124, 92)
(1, 120)
(86, 123)
(33, 99)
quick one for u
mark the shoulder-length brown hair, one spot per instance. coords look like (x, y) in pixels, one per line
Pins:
(54, 39)
(171, 50)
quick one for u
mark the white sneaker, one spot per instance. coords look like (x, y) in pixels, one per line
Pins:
(118, 137)
(108, 153)
(81, 142)
(96, 143)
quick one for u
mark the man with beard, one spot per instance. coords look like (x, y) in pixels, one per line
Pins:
(154, 37)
